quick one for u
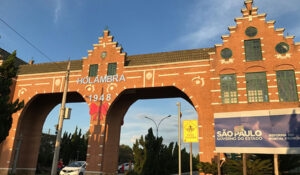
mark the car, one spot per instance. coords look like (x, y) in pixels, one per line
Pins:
(74, 168)
(125, 167)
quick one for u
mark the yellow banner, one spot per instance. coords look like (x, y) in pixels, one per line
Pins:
(190, 130)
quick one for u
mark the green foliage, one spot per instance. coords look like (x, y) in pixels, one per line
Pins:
(139, 155)
(288, 162)
(259, 167)
(45, 157)
(125, 154)
(151, 157)
(73, 147)
(208, 168)
(8, 71)
(152, 148)
(254, 167)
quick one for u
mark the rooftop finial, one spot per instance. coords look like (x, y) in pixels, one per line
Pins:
(248, 4)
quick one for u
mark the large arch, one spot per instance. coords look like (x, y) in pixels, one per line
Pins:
(30, 127)
(109, 93)
(107, 71)
(117, 112)
(108, 96)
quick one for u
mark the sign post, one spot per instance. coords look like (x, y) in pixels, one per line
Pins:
(190, 135)
(190, 131)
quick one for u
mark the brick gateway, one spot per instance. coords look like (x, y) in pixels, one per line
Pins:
(212, 80)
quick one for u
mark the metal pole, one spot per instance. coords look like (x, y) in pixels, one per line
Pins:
(244, 164)
(219, 164)
(160, 123)
(276, 164)
(157, 125)
(191, 158)
(60, 123)
(179, 138)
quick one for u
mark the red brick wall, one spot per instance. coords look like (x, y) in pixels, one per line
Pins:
(198, 80)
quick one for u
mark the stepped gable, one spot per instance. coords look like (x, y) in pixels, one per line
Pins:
(169, 57)
(49, 67)
(252, 25)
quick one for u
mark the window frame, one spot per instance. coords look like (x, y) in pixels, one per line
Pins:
(93, 70)
(286, 86)
(253, 50)
(112, 68)
(257, 87)
(229, 93)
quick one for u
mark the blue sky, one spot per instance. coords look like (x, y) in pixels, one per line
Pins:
(58, 30)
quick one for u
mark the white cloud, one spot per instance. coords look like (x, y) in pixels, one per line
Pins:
(209, 20)
(57, 10)
(285, 13)
(277, 8)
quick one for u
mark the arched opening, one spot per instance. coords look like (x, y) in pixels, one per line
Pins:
(118, 110)
(73, 139)
(136, 124)
(39, 107)
(30, 128)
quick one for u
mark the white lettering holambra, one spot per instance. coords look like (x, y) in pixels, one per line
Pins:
(101, 79)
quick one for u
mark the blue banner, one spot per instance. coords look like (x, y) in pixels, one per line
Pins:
(272, 131)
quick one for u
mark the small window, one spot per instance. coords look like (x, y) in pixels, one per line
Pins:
(251, 31)
(282, 47)
(93, 72)
(257, 88)
(253, 50)
(112, 69)
(226, 53)
(229, 88)
(286, 83)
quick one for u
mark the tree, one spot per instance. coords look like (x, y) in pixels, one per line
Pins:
(288, 162)
(73, 146)
(46, 153)
(151, 157)
(166, 159)
(208, 168)
(8, 71)
(147, 155)
(254, 167)
(125, 154)
(139, 155)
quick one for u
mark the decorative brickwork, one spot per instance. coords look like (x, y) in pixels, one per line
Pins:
(109, 81)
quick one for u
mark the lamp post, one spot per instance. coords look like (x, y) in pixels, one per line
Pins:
(157, 125)
(178, 104)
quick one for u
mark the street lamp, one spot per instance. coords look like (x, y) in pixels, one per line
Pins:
(157, 125)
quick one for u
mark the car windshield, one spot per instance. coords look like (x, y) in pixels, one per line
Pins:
(75, 164)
